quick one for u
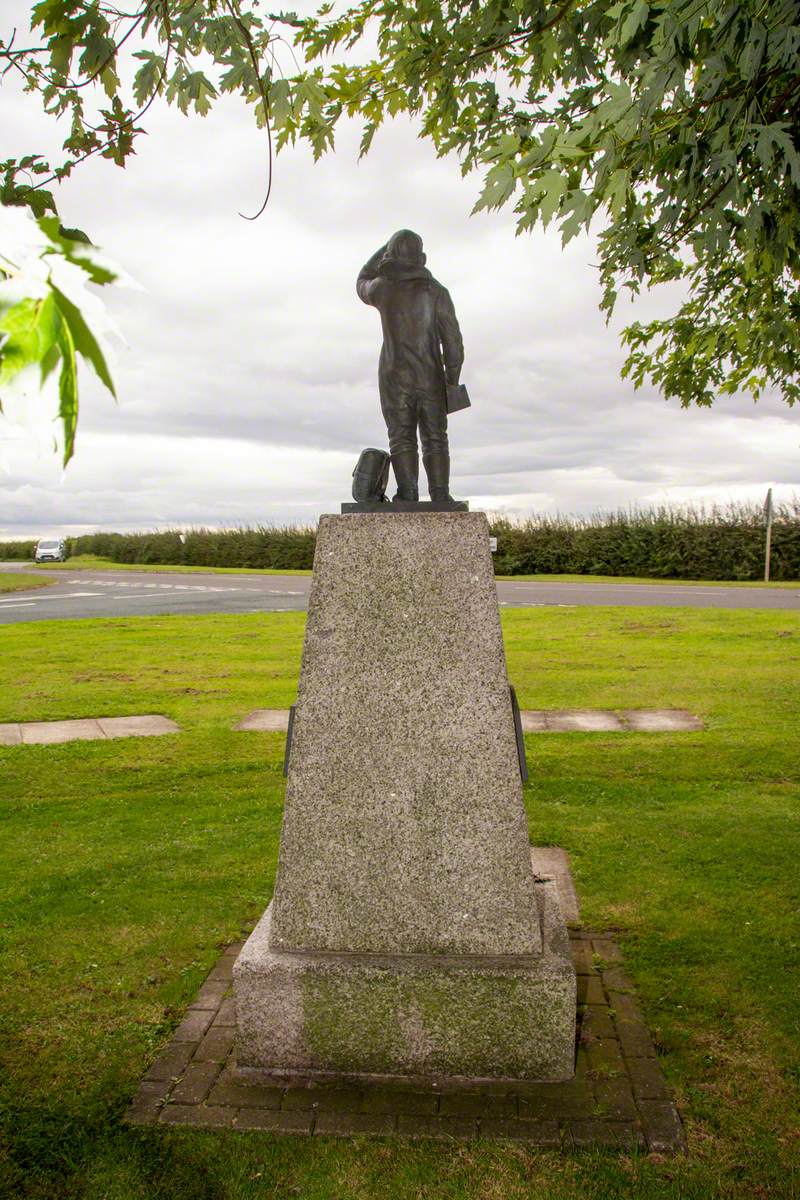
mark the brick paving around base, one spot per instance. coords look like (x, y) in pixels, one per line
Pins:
(567, 720)
(618, 1098)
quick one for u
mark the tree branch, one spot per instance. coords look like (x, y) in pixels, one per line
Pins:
(520, 37)
(231, 5)
(60, 173)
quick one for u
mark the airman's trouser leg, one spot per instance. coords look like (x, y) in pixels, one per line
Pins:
(435, 449)
(400, 414)
(403, 411)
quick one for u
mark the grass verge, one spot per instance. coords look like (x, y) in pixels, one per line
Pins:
(19, 581)
(125, 866)
(93, 562)
(735, 583)
(83, 562)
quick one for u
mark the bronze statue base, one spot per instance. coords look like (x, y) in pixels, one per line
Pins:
(398, 506)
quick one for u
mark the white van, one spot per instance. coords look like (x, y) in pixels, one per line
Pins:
(50, 550)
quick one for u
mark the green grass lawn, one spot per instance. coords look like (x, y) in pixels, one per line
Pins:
(125, 866)
(737, 583)
(13, 581)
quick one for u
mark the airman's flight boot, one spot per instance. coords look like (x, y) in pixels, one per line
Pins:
(406, 471)
(437, 468)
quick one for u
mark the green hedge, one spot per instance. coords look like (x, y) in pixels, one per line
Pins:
(659, 543)
(17, 551)
(285, 548)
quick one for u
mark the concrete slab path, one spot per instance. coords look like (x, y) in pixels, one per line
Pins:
(276, 720)
(573, 720)
(265, 720)
(51, 733)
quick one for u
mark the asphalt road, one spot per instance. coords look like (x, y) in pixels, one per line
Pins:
(134, 593)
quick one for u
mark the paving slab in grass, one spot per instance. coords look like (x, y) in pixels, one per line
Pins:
(149, 726)
(551, 862)
(617, 1100)
(661, 720)
(265, 720)
(583, 720)
(533, 722)
(566, 720)
(52, 733)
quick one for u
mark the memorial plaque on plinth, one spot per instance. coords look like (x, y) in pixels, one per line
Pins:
(407, 935)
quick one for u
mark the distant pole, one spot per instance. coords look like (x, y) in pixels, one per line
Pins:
(768, 550)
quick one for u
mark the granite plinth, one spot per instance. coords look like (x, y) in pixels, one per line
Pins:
(361, 1016)
(398, 506)
(404, 829)
(408, 935)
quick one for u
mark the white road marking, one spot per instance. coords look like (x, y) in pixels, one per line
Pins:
(177, 587)
(123, 596)
(132, 587)
(150, 595)
(18, 604)
(69, 595)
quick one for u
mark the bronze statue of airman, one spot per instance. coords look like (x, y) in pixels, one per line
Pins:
(421, 356)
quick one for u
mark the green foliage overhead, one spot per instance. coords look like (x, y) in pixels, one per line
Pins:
(79, 49)
(673, 125)
(47, 317)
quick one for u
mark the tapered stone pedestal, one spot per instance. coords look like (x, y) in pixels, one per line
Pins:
(407, 935)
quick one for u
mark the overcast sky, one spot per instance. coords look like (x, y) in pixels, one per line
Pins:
(248, 384)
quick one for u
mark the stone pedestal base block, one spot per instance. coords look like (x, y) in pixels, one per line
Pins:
(407, 935)
(412, 1016)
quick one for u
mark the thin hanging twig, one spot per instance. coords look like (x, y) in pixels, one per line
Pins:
(245, 32)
